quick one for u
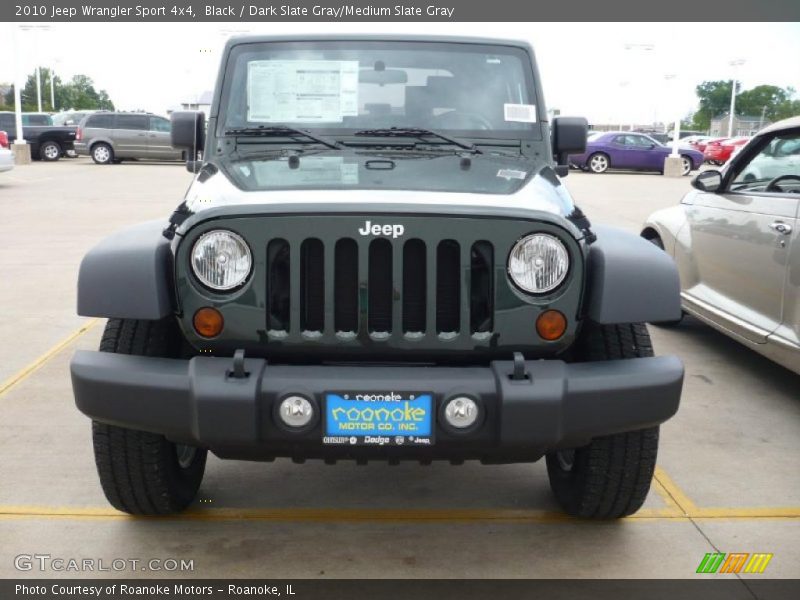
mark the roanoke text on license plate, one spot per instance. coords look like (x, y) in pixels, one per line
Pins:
(379, 418)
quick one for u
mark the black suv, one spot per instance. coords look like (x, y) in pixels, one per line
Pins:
(377, 260)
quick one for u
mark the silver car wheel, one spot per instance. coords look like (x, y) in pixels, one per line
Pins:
(687, 165)
(598, 163)
(51, 152)
(101, 154)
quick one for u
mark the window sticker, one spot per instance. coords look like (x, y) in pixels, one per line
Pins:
(520, 113)
(307, 91)
(312, 171)
(511, 174)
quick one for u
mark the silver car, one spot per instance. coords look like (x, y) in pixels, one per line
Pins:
(111, 137)
(6, 160)
(734, 239)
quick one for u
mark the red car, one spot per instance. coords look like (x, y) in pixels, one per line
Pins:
(3, 139)
(717, 152)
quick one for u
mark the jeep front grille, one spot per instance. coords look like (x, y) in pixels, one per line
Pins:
(380, 288)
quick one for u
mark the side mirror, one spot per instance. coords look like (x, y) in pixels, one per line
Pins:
(651, 146)
(568, 136)
(708, 181)
(188, 133)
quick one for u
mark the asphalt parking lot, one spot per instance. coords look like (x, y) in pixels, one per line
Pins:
(727, 479)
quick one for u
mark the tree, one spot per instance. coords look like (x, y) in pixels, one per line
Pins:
(715, 99)
(766, 98)
(78, 93)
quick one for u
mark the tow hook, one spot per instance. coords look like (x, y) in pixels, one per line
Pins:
(519, 373)
(238, 371)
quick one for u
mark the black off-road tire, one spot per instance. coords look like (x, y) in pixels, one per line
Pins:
(609, 478)
(144, 473)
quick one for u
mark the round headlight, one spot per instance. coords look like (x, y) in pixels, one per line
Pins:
(538, 263)
(221, 259)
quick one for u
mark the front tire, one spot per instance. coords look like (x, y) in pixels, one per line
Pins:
(50, 151)
(609, 478)
(144, 473)
(598, 163)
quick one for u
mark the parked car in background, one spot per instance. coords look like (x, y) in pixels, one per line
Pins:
(718, 152)
(6, 160)
(36, 118)
(71, 118)
(695, 140)
(111, 137)
(4, 143)
(735, 242)
(626, 150)
(48, 142)
(703, 144)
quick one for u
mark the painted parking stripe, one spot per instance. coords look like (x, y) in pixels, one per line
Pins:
(391, 515)
(12, 381)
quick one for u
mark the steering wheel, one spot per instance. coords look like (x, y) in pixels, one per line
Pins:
(455, 119)
(773, 186)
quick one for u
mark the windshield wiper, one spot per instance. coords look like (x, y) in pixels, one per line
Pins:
(278, 130)
(418, 132)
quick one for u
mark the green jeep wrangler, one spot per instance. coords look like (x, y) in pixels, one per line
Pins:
(377, 260)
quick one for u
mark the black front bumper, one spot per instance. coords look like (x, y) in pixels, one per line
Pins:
(199, 402)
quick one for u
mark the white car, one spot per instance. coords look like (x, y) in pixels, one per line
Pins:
(6, 160)
(781, 156)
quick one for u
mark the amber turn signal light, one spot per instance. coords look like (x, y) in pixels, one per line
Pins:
(551, 325)
(208, 322)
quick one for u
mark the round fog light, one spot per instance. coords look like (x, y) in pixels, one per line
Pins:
(461, 412)
(296, 411)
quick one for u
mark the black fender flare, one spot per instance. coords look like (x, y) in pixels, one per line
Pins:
(630, 280)
(128, 275)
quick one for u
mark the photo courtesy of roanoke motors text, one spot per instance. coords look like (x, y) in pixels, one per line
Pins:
(368, 299)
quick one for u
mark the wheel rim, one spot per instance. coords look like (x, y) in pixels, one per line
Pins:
(51, 151)
(687, 166)
(598, 163)
(566, 459)
(101, 153)
(185, 455)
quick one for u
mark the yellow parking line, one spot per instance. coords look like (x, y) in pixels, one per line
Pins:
(39, 362)
(332, 515)
(676, 495)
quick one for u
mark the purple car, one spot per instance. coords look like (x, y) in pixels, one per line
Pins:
(625, 150)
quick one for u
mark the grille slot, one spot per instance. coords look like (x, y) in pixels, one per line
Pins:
(414, 287)
(312, 285)
(380, 286)
(448, 282)
(278, 286)
(345, 302)
(481, 293)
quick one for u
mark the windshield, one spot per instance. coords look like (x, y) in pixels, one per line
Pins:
(342, 87)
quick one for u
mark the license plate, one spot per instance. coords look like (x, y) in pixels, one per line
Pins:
(378, 419)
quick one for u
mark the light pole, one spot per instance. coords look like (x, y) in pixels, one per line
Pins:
(734, 63)
(640, 50)
(37, 29)
(22, 151)
(676, 131)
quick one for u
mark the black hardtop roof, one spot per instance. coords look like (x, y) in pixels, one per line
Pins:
(385, 37)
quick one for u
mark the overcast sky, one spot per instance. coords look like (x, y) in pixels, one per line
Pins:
(585, 67)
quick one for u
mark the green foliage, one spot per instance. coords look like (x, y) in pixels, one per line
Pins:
(78, 93)
(715, 98)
